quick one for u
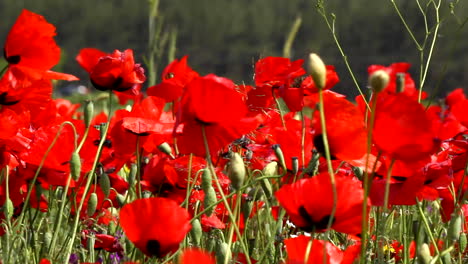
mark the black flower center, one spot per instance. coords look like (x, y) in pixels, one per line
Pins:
(311, 224)
(15, 59)
(154, 248)
(5, 100)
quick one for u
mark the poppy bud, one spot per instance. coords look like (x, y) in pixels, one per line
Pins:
(8, 208)
(105, 184)
(120, 199)
(316, 68)
(455, 227)
(196, 232)
(210, 199)
(236, 170)
(88, 112)
(92, 204)
(166, 149)
(223, 252)
(75, 165)
(378, 80)
(424, 254)
(279, 155)
(400, 82)
(271, 169)
(295, 165)
(462, 241)
(206, 180)
(446, 258)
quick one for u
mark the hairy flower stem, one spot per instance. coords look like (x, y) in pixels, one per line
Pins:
(328, 158)
(223, 197)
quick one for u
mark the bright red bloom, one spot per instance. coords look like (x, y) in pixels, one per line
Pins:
(117, 71)
(297, 248)
(402, 128)
(155, 225)
(331, 80)
(277, 71)
(174, 79)
(309, 203)
(195, 256)
(347, 134)
(30, 48)
(401, 67)
(21, 94)
(214, 103)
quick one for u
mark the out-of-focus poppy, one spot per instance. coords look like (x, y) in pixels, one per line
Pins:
(174, 79)
(320, 250)
(30, 48)
(156, 226)
(195, 256)
(212, 103)
(117, 71)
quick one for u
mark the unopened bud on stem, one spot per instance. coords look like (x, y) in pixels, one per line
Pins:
(378, 80)
(316, 68)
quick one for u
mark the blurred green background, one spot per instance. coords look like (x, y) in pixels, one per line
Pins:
(226, 36)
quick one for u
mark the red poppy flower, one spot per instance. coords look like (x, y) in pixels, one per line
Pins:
(195, 256)
(277, 71)
(347, 134)
(320, 250)
(30, 48)
(214, 103)
(331, 80)
(309, 203)
(117, 71)
(402, 128)
(155, 225)
(174, 79)
(401, 67)
(21, 94)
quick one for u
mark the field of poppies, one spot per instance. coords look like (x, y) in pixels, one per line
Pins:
(199, 169)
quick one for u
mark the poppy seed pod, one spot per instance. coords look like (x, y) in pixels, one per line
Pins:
(236, 170)
(400, 82)
(378, 80)
(316, 68)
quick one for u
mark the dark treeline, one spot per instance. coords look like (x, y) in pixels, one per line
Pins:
(226, 36)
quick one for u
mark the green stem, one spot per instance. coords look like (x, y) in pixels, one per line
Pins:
(89, 180)
(367, 180)
(328, 158)
(223, 197)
